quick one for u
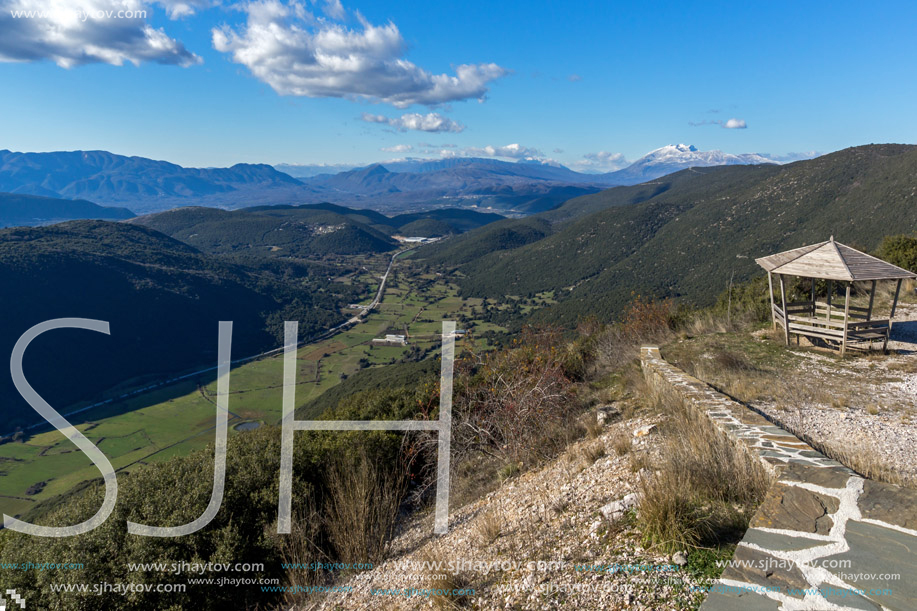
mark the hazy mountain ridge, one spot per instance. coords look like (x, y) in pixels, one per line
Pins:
(141, 184)
(30, 210)
(145, 185)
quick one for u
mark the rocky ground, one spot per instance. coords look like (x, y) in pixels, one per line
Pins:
(556, 537)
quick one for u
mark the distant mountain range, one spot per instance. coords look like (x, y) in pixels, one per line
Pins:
(140, 184)
(144, 185)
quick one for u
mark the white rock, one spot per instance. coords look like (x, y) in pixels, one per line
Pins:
(644, 430)
(616, 509)
(679, 558)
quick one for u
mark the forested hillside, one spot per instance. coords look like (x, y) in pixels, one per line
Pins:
(162, 298)
(685, 235)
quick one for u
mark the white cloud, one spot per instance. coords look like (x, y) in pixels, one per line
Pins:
(430, 122)
(178, 9)
(299, 54)
(94, 31)
(510, 151)
(602, 161)
(335, 10)
(398, 148)
(730, 124)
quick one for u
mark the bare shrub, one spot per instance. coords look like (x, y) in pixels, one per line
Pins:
(515, 404)
(648, 320)
(299, 550)
(361, 507)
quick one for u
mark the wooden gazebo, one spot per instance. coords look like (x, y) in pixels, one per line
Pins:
(824, 321)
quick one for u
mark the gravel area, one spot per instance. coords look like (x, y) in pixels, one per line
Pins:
(873, 400)
(565, 515)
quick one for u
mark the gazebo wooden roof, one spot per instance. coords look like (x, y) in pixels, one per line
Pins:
(834, 262)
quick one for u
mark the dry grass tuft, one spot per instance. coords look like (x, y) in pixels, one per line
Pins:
(621, 443)
(705, 487)
(488, 528)
(591, 452)
(446, 583)
(593, 427)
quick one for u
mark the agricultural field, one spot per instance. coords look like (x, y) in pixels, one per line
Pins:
(178, 418)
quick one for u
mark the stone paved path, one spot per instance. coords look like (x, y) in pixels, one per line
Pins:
(824, 537)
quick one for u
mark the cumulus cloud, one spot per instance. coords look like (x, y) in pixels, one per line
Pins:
(95, 31)
(398, 148)
(602, 161)
(430, 122)
(298, 53)
(729, 124)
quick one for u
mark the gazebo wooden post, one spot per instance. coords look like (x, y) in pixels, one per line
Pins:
(846, 320)
(830, 290)
(872, 294)
(770, 287)
(813, 297)
(895, 302)
(786, 316)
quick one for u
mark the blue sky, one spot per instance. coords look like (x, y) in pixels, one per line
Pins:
(589, 84)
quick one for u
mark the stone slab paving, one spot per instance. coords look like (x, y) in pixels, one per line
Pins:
(824, 537)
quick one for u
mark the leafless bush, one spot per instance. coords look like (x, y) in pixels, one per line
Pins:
(299, 550)
(362, 504)
(515, 404)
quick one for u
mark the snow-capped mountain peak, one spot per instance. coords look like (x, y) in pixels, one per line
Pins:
(675, 157)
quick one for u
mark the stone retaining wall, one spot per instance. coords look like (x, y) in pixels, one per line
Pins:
(824, 537)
